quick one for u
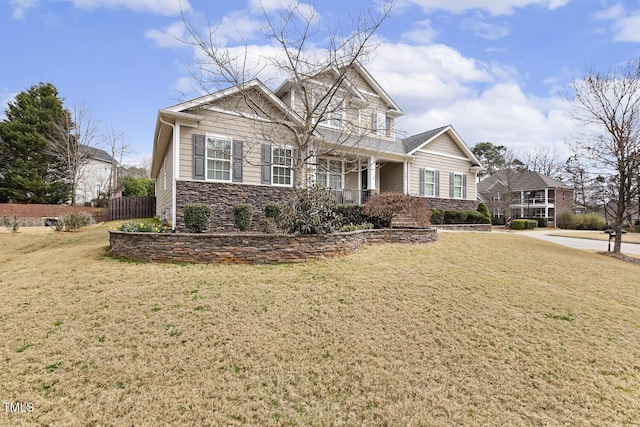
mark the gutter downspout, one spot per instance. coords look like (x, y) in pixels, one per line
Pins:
(173, 180)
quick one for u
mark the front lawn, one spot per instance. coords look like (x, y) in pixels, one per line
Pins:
(475, 329)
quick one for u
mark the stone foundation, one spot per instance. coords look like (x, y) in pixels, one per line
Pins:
(462, 227)
(254, 248)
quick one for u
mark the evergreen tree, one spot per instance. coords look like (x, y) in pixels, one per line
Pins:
(28, 173)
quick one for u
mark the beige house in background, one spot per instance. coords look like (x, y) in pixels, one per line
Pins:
(216, 150)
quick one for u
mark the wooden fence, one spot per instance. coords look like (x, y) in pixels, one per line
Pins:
(131, 207)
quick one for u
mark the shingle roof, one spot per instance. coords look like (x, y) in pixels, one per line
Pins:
(413, 142)
(527, 180)
(98, 154)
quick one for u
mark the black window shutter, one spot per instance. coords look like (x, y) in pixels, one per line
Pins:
(294, 161)
(237, 162)
(421, 180)
(198, 157)
(464, 186)
(437, 191)
(451, 179)
(266, 164)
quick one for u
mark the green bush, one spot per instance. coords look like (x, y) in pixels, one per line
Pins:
(542, 221)
(524, 224)
(567, 220)
(350, 214)
(352, 227)
(498, 220)
(455, 217)
(197, 217)
(138, 187)
(484, 210)
(273, 211)
(242, 216)
(437, 216)
(475, 217)
(73, 221)
(309, 212)
(590, 221)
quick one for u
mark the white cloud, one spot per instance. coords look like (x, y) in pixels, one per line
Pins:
(423, 34)
(494, 7)
(20, 7)
(172, 36)
(306, 10)
(614, 12)
(483, 29)
(162, 7)
(5, 98)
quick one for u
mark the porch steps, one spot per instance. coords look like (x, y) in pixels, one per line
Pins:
(404, 220)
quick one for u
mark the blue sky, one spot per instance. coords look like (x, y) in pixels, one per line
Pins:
(496, 70)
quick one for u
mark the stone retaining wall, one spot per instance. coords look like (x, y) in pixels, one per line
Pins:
(462, 227)
(254, 248)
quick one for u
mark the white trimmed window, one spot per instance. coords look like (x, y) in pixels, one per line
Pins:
(388, 126)
(218, 156)
(281, 166)
(329, 173)
(429, 183)
(458, 184)
(331, 113)
(498, 213)
(497, 197)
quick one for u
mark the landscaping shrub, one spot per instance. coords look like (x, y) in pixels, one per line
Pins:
(484, 210)
(437, 216)
(498, 220)
(455, 217)
(73, 221)
(197, 217)
(242, 216)
(567, 220)
(142, 227)
(475, 217)
(350, 214)
(387, 206)
(13, 225)
(542, 221)
(352, 227)
(273, 211)
(524, 224)
(309, 212)
(590, 221)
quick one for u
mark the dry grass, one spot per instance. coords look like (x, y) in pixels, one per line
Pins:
(476, 329)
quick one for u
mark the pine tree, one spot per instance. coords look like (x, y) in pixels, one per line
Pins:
(28, 173)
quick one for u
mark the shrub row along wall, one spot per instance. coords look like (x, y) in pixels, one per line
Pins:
(237, 248)
(222, 197)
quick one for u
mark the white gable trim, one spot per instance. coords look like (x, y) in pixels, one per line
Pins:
(458, 141)
(450, 156)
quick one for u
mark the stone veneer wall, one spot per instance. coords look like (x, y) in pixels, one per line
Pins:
(254, 248)
(452, 204)
(462, 227)
(223, 197)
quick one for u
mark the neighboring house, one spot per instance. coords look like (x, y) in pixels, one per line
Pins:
(215, 150)
(97, 175)
(525, 194)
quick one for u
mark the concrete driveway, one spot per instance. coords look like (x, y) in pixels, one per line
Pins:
(586, 244)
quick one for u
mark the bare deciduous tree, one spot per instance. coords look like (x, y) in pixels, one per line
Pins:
(117, 148)
(545, 160)
(317, 66)
(608, 107)
(73, 133)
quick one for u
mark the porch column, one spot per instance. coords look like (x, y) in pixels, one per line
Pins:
(546, 203)
(372, 174)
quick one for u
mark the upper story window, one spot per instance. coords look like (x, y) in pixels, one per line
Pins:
(381, 124)
(497, 197)
(331, 112)
(329, 173)
(218, 157)
(281, 166)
